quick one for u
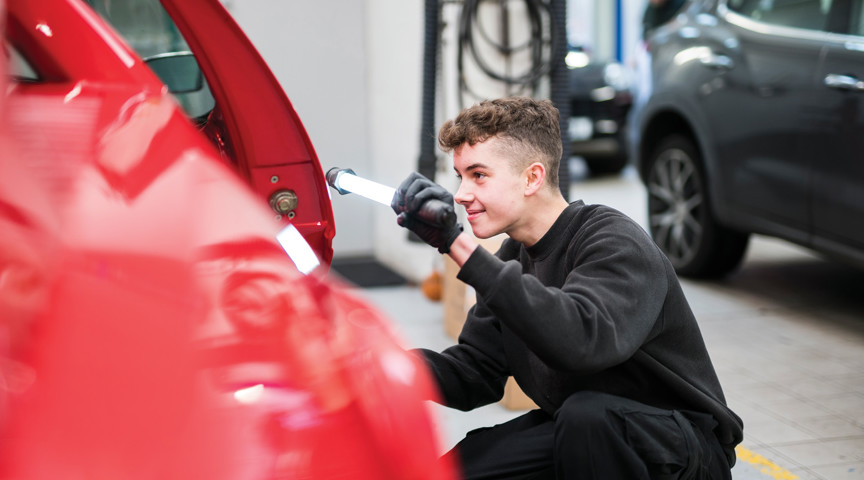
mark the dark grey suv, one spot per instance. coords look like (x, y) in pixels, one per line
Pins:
(750, 119)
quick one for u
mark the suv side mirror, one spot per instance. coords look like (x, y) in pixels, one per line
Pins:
(180, 72)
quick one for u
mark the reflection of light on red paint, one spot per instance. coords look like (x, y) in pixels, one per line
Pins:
(297, 248)
(72, 93)
(249, 395)
(45, 29)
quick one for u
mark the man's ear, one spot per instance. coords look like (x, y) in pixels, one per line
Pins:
(535, 175)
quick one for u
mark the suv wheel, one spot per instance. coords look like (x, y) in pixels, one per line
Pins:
(680, 216)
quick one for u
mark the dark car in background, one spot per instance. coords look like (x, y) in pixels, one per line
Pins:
(599, 102)
(751, 121)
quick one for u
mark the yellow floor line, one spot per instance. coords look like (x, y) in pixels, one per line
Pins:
(764, 465)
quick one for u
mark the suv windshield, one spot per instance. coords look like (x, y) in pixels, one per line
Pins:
(149, 30)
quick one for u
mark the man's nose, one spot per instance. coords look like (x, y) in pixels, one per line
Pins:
(463, 195)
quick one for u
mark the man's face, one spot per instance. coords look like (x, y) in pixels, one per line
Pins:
(491, 191)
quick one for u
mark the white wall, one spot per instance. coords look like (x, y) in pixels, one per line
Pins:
(395, 59)
(317, 50)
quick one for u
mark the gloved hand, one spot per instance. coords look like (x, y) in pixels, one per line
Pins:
(407, 202)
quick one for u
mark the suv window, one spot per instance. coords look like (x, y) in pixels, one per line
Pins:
(808, 14)
(149, 30)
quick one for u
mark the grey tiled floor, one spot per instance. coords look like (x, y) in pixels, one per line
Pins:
(786, 334)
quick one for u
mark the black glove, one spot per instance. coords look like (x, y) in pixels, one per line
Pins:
(412, 201)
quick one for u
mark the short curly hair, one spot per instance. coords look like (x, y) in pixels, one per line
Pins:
(528, 131)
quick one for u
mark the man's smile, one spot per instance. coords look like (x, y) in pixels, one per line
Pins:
(472, 214)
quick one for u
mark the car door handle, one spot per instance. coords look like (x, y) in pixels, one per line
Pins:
(717, 60)
(844, 82)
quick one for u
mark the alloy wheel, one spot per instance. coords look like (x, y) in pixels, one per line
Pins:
(675, 204)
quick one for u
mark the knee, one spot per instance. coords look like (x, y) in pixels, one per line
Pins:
(585, 410)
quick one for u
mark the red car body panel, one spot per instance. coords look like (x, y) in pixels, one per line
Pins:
(262, 135)
(151, 325)
(267, 140)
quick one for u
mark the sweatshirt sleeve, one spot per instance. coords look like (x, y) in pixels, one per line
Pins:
(473, 372)
(604, 311)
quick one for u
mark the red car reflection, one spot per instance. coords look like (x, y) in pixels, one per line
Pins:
(151, 324)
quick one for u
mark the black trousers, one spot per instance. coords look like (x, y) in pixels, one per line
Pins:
(596, 436)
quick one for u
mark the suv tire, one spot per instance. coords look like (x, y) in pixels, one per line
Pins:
(680, 216)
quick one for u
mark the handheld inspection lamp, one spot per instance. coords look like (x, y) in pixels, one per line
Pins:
(344, 180)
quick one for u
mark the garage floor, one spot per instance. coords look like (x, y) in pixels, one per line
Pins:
(786, 334)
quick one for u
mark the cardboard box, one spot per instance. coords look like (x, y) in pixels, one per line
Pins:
(458, 298)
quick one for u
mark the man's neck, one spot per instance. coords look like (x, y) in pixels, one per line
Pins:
(544, 210)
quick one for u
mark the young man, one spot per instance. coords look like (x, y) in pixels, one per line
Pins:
(579, 306)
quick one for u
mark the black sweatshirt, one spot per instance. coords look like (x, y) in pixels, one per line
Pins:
(594, 305)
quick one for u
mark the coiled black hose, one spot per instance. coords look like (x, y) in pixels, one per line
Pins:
(547, 48)
(541, 46)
